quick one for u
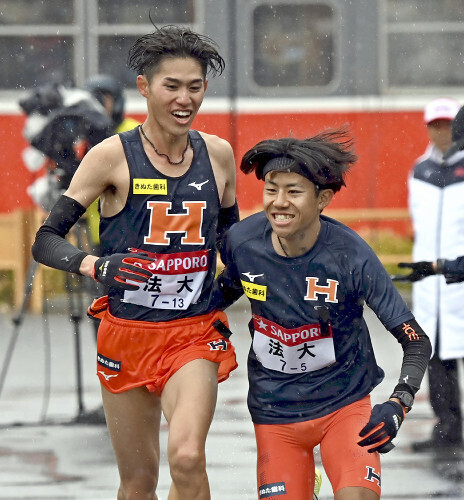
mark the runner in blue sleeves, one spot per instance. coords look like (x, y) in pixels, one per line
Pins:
(311, 365)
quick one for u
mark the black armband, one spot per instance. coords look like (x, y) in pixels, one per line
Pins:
(416, 355)
(50, 247)
(226, 219)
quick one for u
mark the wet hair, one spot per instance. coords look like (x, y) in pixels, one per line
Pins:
(323, 159)
(150, 50)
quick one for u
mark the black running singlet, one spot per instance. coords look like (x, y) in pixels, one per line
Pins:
(174, 220)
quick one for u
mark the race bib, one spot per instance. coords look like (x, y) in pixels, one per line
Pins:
(295, 350)
(176, 283)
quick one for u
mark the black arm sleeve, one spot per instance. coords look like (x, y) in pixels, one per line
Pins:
(50, 247)
(226, 291)
(227, 218)
(227, 287)
(417, 351)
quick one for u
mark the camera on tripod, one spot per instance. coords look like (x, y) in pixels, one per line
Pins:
(62, 125)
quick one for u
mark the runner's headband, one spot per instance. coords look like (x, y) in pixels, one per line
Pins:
(284, 164)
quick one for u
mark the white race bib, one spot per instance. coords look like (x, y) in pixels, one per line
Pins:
(176, 283)
(296, 350)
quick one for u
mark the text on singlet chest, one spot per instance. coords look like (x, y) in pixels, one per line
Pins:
(150, 186)
(289, 336)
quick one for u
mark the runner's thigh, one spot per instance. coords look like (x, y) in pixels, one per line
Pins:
(345, 462)
(189, 399)
(133, 420)
(285, 461)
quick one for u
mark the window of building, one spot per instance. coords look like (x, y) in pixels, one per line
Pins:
(65, 41)
(293, 45)
(161, 11)
(424, 42)
(36, 42)
(120, 23)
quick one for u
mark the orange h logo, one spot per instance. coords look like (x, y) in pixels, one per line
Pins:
(314, 289)
(162, 223)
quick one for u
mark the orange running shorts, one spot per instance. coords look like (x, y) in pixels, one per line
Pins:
(285, 467)
(136, 353)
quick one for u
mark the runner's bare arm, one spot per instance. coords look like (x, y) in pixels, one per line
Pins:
(97, 174)
(103, 172)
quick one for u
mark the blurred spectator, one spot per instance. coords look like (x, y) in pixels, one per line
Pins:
(109, 93)
(436, 202)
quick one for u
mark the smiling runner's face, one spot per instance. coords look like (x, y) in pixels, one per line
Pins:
(174, 94)
(293, 205)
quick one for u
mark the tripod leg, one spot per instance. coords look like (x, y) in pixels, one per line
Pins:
(76, 287)
(75, 314)
(17, 321)
(75, 297)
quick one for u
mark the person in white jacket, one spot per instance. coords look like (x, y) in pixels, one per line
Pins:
(436, 203)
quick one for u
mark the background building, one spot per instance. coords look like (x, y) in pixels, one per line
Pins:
(292, 67)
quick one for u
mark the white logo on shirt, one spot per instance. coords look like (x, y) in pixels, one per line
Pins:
(198, 185)
(252, 277)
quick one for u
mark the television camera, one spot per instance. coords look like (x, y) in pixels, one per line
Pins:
(62, 125)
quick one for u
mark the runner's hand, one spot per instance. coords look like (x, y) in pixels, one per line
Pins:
(420, 270)
(383, 426)
(114, 270)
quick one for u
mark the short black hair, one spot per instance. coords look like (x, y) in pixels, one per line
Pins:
(457, 126)
(324, 159)
(150, 50)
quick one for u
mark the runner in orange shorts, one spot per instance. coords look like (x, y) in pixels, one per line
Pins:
(311, 366)
(167, 195)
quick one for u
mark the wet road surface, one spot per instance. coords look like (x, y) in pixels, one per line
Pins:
(49, 451)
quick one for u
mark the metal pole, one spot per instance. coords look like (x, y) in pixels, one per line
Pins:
(232, 63)
(75, 315)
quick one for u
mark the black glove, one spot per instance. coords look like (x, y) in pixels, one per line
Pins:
(383, 426)
(420, 270)
(114, 270)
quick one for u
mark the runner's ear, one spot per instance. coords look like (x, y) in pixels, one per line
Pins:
(325, 197)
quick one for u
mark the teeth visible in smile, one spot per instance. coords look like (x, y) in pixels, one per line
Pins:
(282, 217)
(182, 114)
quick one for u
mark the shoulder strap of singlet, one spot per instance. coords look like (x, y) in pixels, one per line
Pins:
(126, 137)
(194, 134)
(129, 135)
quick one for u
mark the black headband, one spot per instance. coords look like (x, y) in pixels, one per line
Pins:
(284, 164)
